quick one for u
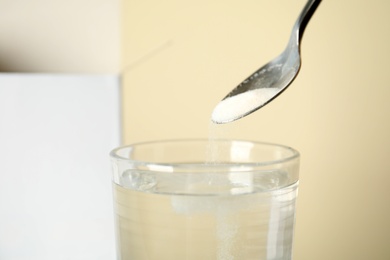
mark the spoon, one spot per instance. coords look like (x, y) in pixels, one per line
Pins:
(270, 80)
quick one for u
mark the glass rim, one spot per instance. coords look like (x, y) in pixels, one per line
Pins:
(114, 154)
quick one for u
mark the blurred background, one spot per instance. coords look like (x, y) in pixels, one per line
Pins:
(177, 59)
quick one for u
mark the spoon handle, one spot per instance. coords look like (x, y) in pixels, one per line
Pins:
(304, 17)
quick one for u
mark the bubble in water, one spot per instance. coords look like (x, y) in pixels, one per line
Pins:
(138, 180)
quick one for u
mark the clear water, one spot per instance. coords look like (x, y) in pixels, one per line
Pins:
(252, 218)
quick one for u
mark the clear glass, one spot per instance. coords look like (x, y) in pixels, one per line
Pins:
(201, 199)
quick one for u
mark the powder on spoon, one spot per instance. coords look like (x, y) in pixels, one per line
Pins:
(237, 106)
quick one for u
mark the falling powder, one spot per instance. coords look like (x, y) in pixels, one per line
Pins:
(238, 106)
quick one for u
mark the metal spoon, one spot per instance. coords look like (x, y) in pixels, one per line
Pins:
(270, 80)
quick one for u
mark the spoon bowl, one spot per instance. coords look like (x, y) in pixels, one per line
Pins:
(270, 80)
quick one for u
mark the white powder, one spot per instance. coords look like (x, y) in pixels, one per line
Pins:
(240, 105)
(224, 208)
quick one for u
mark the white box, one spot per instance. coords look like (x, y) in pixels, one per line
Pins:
(55, 190)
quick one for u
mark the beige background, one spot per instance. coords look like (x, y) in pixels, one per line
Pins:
(180, 57)
(59, 36)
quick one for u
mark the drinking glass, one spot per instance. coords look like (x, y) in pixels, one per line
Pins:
(204, 199)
